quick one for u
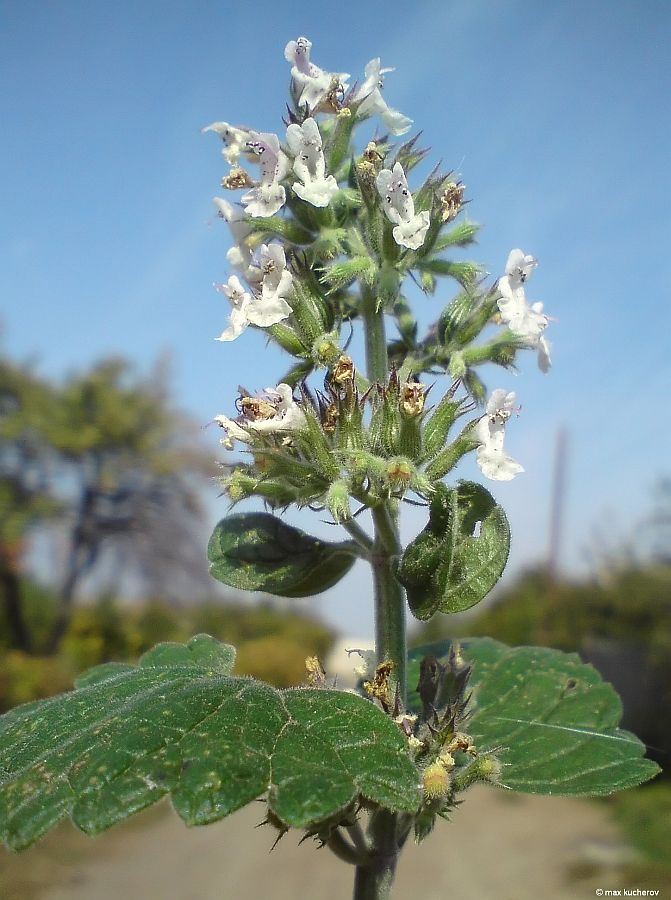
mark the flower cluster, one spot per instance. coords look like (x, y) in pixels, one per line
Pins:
(323, 234)
(269, 282)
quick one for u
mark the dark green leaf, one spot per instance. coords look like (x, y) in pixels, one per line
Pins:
(460, 555)
(177, 724)
(551, 719)
(259, 552)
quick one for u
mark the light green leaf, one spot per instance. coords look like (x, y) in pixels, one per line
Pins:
(286, 228)
(550, 718)
(460, 555)
(177, 724)
(259, 552)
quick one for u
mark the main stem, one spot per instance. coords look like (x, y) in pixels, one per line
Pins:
(374, 879)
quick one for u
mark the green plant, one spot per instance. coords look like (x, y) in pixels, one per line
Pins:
(360, 772)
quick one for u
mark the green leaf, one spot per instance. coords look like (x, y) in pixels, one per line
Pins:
(460, 555)
(340, 274)
(286, 228)
(178, 724)
(550, 718)
(466, 273)
(259, 552)
(463, 234)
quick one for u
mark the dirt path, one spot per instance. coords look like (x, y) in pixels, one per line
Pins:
(498, 846)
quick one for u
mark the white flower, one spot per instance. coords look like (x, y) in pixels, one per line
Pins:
(273, 410)
(410, 229)
(494, 463)
(240, 255)
(519, 266)
(374, 103)
(305, 143)
(234, 138)
(269, 196)
(525, 321)
(270, 281)
(528, 322)
(312, 84)
(544, 357)
(276, 279)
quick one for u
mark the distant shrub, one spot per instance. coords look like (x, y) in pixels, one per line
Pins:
(24, 678)
(272, 644)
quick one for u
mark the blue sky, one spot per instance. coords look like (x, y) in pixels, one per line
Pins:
(555, 115)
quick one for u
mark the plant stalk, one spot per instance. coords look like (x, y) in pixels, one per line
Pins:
(375, 877)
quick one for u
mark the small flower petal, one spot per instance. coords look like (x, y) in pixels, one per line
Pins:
(265, 200)
(411, 234)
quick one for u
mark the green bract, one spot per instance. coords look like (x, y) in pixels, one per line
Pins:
(259, 552)
(179, 724)
(550, 718)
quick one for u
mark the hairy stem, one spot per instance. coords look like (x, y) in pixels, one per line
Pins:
(374, 877)
(338, 844)
(390, 636)
(359, 535)
(376, 339)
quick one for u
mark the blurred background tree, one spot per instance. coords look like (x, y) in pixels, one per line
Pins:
(26, 494)
(105, 461)
(106, 469)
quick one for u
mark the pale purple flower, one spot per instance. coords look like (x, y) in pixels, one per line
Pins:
(234, 138)
(399, 207)
(311, 84)
(305, 143)
(240, 255)
(272, 411)
(269, 195)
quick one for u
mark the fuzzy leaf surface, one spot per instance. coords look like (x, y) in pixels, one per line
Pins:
(460, 555)
(179, 724)
(552, 717)
(259, 552)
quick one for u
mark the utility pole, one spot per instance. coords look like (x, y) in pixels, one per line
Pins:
(557, 504)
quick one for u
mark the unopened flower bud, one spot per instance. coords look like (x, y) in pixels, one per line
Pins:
(428, 282)
(436, 781)
(483, 768)
(325, 350)
(457, 366)
(238, 486)
(400, 472)
(337, 501)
